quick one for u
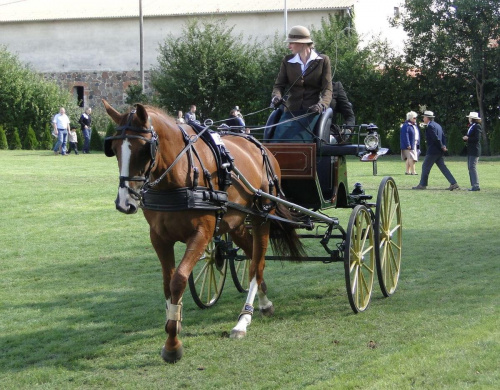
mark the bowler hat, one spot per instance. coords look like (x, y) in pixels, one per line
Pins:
(299, 34)
(473, 115)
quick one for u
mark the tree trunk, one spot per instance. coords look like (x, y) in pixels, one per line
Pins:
(482, 112)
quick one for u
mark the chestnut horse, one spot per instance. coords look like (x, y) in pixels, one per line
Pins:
(151, 148)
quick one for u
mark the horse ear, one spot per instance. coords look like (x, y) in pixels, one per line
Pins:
(141, 113)
(115, 115)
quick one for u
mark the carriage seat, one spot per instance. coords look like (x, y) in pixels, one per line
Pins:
(322, 132)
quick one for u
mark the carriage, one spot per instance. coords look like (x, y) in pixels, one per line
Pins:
(226, 207)
(314, 179)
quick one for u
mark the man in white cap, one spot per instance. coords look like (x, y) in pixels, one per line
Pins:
(473, 140)
(436, 147)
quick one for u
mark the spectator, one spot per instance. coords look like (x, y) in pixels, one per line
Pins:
(190, 115)
(436, 147)
(61, 128)
(73, 141)
(234, 122)
(473, 140)
(408, 143)
(85, 123)
(180, 118)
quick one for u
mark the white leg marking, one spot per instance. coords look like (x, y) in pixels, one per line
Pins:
(241, 327)
(264, 302)
(124, 171)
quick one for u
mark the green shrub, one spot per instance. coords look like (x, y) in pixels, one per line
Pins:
(96, 141)
(135, 95)
(79, 137)
(454, 141)
(110, 129)
(15, 141)
(47, 140)
(30, 141)
(495, 138)
(3, 139)
(27, 98)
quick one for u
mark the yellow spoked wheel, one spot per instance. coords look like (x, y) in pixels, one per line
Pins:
(209, 274)
(388, 236)
(359, 258)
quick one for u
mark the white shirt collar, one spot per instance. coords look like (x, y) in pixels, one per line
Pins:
(296, 60)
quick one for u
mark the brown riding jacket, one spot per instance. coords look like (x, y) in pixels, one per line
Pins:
(314, 86)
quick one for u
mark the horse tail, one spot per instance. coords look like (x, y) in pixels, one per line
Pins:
(283, 236)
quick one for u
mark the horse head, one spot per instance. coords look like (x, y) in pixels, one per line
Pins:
(135, 145)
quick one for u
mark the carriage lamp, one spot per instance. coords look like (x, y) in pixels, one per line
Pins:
(371, 139)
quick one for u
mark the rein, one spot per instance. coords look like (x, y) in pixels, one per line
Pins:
(190, 140)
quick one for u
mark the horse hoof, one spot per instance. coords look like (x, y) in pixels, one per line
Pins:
(172, 356)
(268, 311)
(237, 334)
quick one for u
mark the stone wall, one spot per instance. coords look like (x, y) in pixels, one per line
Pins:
(108, 85)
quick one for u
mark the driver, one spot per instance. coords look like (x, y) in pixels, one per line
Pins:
(305, 76)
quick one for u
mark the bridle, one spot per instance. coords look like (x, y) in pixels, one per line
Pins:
(122, 134)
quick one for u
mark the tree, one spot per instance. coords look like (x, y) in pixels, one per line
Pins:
(46, 143)
(455, 44)
(135, 95)
(27, 98)
(30, 141)
(96, 142)
(208, 67)
(15, 141)
(3, 139)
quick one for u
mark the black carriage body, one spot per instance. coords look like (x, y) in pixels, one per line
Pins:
(314, 175)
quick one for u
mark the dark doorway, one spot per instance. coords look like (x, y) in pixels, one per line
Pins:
(78, 95)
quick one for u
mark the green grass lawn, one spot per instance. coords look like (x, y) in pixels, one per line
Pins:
(82, 307)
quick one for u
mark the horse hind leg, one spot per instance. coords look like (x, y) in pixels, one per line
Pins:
(245, 317)
(266, 307)
(257, 285)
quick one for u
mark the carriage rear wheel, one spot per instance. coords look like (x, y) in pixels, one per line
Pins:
(359, 258)
(388, 236)
(209, 274)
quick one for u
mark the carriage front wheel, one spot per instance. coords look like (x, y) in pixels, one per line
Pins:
(388, 236)
(359, 258)
(209, 274)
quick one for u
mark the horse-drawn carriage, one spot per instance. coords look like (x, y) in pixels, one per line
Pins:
(314, 178)
(225, 212)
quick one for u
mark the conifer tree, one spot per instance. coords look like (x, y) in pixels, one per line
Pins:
(30, 141)
(15, 142)
(96, 142)
(3, 139)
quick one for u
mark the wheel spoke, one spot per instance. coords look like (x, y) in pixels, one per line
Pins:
(201, 273)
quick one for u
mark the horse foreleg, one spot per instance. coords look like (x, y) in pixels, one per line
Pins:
(195, 246)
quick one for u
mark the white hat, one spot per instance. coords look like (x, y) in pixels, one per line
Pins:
(299, 34)
(430, 114)
(473, 115)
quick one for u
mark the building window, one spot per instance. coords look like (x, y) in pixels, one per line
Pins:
(78, 95)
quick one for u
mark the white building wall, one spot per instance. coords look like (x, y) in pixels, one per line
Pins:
(113, 44)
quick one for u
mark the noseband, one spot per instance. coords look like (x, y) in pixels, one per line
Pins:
(153, 142)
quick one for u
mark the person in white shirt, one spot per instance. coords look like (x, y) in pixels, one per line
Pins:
(61, 128)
